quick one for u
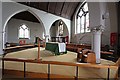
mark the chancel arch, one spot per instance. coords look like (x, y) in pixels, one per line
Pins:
(33, 23)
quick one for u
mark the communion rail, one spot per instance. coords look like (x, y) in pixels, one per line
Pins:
(108, 67)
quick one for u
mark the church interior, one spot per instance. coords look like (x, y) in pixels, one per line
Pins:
(69, 39)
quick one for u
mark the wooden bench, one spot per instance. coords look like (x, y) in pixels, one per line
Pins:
(17, 48)
(73, 47)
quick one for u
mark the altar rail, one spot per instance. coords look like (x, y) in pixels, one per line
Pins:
(58, 63)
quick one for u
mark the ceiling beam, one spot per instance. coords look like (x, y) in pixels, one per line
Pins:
(48, 5)
(62, 8)
(55, 7)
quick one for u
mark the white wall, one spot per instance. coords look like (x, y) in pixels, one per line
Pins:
(13, 25)
(96, 10)
(105, 40)
(113, 16)
(1, 50)
(9, 9)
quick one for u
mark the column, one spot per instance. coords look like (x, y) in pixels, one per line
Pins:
(96, 40)
(96, 44)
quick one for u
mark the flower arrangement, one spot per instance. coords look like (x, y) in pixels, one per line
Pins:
(97, 28)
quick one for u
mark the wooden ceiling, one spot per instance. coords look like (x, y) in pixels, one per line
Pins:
(27, 16)
(63, 9)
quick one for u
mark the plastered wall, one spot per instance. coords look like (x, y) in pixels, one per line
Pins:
(12, 31)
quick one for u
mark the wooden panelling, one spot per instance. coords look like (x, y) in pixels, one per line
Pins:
(70, 7)
(73, 10)
(58, 8)
(26, 16)
(63, 9)
(34, 4)
(52, 6)
(43, 6)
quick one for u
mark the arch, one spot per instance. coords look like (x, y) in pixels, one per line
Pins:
(15, 13)
(4, 26)
(53, 28)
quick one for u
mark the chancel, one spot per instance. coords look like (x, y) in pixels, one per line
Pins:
(60, 40)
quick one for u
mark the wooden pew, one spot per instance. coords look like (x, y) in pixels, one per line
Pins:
(17, 48)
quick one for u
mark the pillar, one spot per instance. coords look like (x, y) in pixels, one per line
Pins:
(96, 44)
(96, 41)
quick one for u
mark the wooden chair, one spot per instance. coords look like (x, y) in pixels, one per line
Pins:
(86, 55)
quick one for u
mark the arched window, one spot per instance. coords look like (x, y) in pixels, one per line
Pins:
(24, 32)
(83, 19)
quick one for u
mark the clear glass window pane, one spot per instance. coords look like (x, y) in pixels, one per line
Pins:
(78, 25)
(83, 20)
(87, 16)
(78, 28)
(82, 28)
(23, 31)
(24, 26)
(26, 33)
(85, 7)
(80, 13)
(78, 20)
(87, 23)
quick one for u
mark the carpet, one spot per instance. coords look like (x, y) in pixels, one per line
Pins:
(57, 69)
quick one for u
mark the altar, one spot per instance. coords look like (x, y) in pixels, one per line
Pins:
(57, 48)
